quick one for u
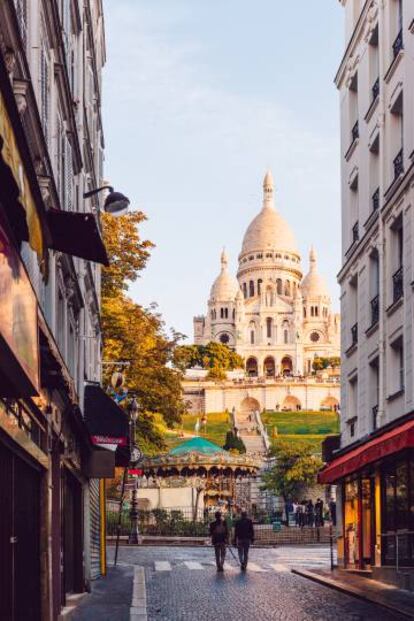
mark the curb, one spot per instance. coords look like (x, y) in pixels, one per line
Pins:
(351, 590)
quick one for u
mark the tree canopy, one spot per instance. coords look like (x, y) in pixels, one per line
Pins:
(217, 358)
(295, 468)
(135, 334)
(321, 363)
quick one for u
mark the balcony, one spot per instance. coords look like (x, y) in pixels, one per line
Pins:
(354, 335)
(355, 232)
(355, 132)
(375, 417)
(398, 164)
(397, 46)
(375, 89)
(376, 200)
(397, 285)
(374, 310)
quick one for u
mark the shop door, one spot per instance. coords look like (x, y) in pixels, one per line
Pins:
(19, 538)
(368, 521)
(72, 534)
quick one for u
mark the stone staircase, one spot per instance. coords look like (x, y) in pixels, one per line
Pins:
(248, 431)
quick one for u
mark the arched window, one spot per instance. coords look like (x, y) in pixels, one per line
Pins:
(287, 288)
(269, 327)
(251, 289)
(245, 289)
(304, 311)
(312, 311)
(212, 314)
(259, 286)
(279, 286)
(269, 296)
(234, 313)
(286, 337)
(316, 311)
(224, 338)
(226, 313)
(221, 313)
(251, 337)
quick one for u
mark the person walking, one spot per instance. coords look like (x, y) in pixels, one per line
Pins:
(332, 511)
(310, 514)
(219, 534)
(319, 513)
(243, 537)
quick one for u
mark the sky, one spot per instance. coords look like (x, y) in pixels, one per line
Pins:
(200, 98)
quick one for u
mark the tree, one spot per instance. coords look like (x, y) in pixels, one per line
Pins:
(137, 335)
(234, 443)
(295, 469)
(217, 358)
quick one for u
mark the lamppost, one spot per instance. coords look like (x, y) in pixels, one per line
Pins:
(115, 203)
(135, 456)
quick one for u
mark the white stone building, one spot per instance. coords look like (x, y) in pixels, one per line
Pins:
(275, 318)
(373, 465)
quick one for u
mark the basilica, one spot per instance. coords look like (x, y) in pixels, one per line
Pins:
(276, 318)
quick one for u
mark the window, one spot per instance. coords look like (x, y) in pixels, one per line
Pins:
(259, 286)
(374, 287)
(353, 109)
(287, 288)
(304, 312)
(60, 322)
(374, 65)
(354, 210)
(286, 336)
(396, 367)
(251, 337)
(221, 313)
(44, 91)
(279, 286)
(224, 338)
(314, 337)
(397, 136)
(352, 412)
(21, 14)
(245, 290)
(226, 313)
(316, 311)
(251, 289)
(269, 327)
(269, 296)
(374, 391)
(397, 255)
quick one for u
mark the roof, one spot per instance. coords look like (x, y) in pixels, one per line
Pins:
(225, 287)
(197, 445)
(314, 285)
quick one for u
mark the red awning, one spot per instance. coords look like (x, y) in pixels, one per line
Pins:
(391, 442)
(76, 234)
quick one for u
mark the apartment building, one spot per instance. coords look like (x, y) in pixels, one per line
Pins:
(374, 465)
(51, 250)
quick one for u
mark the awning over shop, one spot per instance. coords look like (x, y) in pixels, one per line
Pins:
(76, 234)
(387, 444)
(106, 421)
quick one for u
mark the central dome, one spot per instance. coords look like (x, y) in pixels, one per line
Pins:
(268, 230)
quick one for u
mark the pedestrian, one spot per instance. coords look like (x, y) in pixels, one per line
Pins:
(301, 514)
(310, 513)
(288, 510)
(295, 511)
(319, 512)
(332, 511)
(243, 538)
(219, 538)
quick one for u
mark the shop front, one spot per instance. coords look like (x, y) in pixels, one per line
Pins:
(376, 485)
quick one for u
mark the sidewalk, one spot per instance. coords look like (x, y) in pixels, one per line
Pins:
(110, 598)
(380, 593)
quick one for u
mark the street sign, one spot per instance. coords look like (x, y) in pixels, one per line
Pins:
(138, 472)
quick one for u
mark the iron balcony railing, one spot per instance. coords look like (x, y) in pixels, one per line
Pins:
(397, 284)
(376, 199)
(375, 89)
(398, 164)
(375, 310)
(375, 417)
(354, 334)
(397, 46)
(355, 131)
(355, 232)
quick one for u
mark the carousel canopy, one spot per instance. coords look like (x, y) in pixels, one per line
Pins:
(197, 445)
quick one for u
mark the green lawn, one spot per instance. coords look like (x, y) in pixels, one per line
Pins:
(314, 441)
(308, 427)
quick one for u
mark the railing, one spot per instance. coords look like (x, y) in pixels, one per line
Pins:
(355, 131)
(397, 284)
(354, 334)
(262, 430)
(374, 310)
(375, 417)
(397, 46)
(375, 89)
(355, 232)
(398, 164)
(376, 200)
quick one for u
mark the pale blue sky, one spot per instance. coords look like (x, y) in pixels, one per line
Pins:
(200, 98)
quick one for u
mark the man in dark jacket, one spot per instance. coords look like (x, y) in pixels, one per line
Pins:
(244, 537)
(219, 534)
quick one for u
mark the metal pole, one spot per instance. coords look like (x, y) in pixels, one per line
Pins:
(118, 528)
(134, 533)
(396, 553)
(331, 547)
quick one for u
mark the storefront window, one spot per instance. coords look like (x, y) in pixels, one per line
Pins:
(401, 496)
(351, 523)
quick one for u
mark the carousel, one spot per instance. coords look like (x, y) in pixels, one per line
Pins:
(197, 477)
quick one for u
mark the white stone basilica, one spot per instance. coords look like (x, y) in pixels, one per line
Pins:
(275, 318)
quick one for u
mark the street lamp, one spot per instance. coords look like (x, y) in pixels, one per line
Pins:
(115, 203)
(135, 455)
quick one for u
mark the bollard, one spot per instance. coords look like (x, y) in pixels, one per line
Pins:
(331, 547)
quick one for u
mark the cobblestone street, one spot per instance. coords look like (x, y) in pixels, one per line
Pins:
(182, 585)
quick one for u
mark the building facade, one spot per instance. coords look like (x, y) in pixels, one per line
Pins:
(51, 153)
(276, 318)
(374, 465)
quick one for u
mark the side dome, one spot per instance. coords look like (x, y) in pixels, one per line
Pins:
(225, 287)
(314, 285)
(268, 230)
